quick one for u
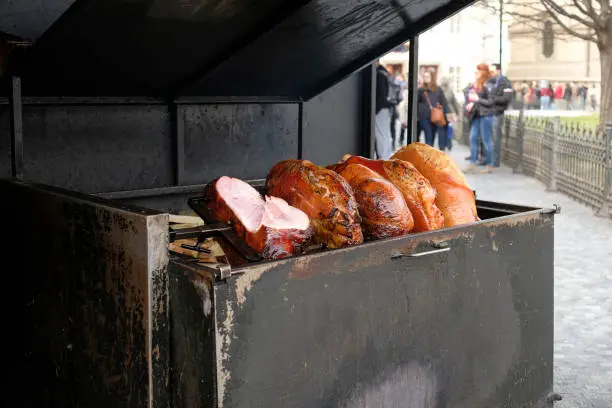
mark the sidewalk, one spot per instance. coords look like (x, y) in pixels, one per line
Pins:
(583, 285)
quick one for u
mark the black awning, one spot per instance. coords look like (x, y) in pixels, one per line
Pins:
(171, 48)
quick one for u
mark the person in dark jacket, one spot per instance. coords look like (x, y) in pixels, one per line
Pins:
(503, 94)
(430, 95)
(382, 122)
(567, 96)
(582, 95)
(481, 110)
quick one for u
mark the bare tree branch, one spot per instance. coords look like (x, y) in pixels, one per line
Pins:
(586, 9)
(584, 19)
(571, 31)
(605, 5)
(589, 20)
(604, 10)
(555, 8)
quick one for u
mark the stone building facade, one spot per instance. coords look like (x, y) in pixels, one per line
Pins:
(565, 59)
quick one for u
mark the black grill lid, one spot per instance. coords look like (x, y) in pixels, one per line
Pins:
(171, 48)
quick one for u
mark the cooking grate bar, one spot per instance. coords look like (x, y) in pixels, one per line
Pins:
(203, 231)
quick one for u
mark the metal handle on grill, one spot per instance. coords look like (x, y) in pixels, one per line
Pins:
(439, 248)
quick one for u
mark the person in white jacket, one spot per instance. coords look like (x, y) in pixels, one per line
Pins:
(402, 123)
(592, 93)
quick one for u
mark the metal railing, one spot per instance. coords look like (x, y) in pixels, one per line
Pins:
(568, 158)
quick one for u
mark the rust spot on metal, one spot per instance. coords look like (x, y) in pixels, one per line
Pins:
(113, 379)
(155, 352)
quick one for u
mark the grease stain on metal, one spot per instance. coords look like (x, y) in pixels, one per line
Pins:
(202, 287)
(412, 386)
(516, 220)
(225, 334)
(245, 281)
(223, 343)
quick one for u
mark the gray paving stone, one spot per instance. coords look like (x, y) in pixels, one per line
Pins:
(583, 285)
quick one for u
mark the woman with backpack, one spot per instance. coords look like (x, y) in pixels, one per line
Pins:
(432, 109)
(480, 110)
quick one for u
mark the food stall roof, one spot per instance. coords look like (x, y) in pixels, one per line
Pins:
(207, 48)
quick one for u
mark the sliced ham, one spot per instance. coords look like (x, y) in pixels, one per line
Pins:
(270, 227)
(287, 229)
(382, 207)
(419, 194)
(324, 196)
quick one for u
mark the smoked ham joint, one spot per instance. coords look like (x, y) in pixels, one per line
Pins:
(348, 202)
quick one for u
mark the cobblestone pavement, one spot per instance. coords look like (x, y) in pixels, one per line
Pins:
(583, 285)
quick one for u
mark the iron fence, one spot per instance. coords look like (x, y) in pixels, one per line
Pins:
(571, 159)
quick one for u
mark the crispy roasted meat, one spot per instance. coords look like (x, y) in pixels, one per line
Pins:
(454, 197)
(418, 193)
(323, 195)
(382, 207)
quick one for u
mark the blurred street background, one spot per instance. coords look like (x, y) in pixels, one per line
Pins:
(552, 148)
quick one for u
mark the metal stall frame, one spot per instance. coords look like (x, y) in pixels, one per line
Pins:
(407, 300)
(116, 321)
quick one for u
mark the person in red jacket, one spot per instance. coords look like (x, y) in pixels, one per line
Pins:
(545, 96)
(558, 95)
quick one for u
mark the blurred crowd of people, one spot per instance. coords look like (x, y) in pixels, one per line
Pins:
(392, 111)
(485, 101)
(545, 95)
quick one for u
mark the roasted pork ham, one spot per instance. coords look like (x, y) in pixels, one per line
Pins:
(382, 207)
(324, 196)
(418, 193)
(455, 198)
(271, 227)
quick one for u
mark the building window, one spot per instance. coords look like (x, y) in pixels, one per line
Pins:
(455, 24)
(548, 39)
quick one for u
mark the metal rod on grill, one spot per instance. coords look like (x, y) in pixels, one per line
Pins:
(183, 233)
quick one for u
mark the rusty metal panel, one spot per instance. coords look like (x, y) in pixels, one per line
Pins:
(98, 148)
(471, 326)
(237, 140)
(97, 331)
(193, 336)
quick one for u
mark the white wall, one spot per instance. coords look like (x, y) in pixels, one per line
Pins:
(460, 43)
(465, 40)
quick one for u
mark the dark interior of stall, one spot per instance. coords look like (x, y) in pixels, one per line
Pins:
(156, 94)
